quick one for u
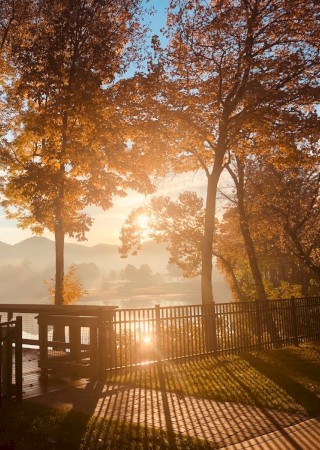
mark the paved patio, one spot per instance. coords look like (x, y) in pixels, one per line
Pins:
(221, 425)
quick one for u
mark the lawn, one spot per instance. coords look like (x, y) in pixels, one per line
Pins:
(286, 379)
(29, 426)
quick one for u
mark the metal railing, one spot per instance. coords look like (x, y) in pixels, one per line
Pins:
(139, 336)
(11, 359)
(129, 337)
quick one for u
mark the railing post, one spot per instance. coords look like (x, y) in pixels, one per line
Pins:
(294, 320)
(6, 361)
(75, 342)
(43, 345)
(0, 365)
(93, 350)
(258, 318)
(214, 343)
(102, 345)
(18, 358)
(158, 333)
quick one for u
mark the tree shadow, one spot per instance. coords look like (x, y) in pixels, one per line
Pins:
(272, 370)
(146, 407)
(291, 360)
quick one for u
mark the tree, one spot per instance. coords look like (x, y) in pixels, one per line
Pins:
(174, 271)
(179, 224)
(247, 218)
(230, 66)
(129, 273)
(73, 287)
(69, 148)
(289, 202)
(144, 274)
(277, 192)
(12, 15)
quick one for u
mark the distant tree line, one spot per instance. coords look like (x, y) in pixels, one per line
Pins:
(144, 274)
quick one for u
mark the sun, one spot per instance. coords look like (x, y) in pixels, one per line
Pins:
(147, 339)
(143, 221)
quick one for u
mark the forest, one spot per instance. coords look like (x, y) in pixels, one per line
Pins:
(93, 105)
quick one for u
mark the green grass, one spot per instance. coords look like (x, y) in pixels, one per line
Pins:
(29, 426)
(286, 379)
(32, 426)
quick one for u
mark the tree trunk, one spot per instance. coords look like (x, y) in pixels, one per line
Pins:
(245, 231)
(59, 330)
(59, 248)
(207, 242)
(234, 282)
(252, 257)
(210, 213)
(59, 221)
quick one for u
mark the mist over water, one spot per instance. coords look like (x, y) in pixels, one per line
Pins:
(140, 281)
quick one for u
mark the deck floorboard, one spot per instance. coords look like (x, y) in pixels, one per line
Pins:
(33, 384)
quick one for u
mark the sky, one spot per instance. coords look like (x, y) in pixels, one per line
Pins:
(107, 224)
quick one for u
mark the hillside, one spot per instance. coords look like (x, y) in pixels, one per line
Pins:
(24, 267)
(39, 251)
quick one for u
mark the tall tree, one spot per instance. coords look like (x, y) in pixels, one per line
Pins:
(12, 20)
(229, 65)
(68, 147)
(12, 14)
(241, 59)
(289, 201)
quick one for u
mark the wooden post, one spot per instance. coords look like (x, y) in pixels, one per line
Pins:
(75, 342)
(18, 358)
(93, 350)
(43, 346)
(294, 321)
(6, 361)
(0, 365)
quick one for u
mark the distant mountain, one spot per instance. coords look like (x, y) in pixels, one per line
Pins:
(25, 265)
(40, 252)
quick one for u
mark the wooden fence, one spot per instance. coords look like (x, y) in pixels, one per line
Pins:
(130, 337)
(11, 359)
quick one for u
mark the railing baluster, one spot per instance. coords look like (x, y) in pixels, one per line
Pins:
(186, 331)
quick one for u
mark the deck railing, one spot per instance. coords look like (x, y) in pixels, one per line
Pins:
(139, 336)
(129, 337)
(11, 359)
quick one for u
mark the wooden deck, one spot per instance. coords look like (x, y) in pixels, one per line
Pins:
(33, 384)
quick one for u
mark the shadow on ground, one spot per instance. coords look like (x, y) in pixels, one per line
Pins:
(209, 403)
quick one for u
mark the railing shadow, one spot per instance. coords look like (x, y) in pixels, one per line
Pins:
(122, 407)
